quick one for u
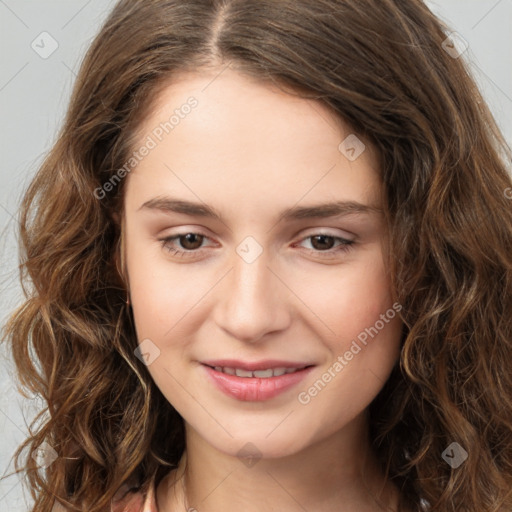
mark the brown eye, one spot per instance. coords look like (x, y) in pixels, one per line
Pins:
(184, 244)
(322, 242)
(191, 241)
(327, 246)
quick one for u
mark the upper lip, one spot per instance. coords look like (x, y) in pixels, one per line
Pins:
(254, 365)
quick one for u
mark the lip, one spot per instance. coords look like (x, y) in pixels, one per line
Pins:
(254, 389)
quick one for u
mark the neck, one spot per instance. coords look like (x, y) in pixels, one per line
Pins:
(338, 474)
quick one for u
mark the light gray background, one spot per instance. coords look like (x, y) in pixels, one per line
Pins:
(33, 98)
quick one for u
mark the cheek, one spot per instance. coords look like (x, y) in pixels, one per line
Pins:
(364, 328)
(362, 352)
(348, 299)
(161, 293)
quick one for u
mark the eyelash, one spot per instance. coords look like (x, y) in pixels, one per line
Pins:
(344, 246)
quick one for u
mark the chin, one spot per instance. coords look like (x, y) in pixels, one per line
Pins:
(258, 443)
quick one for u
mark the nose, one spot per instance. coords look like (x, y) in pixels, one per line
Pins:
(252, 301)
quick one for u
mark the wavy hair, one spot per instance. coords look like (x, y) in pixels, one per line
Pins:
(381, 66)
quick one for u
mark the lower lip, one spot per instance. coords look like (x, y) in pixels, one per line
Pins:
(254, 389)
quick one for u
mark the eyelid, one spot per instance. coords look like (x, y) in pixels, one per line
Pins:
(329, 232)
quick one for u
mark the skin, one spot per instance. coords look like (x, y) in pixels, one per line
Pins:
(250, 151)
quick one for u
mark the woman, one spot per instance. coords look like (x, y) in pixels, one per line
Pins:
(271, 257)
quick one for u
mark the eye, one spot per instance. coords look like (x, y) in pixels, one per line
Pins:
(323, 244)
(190, 242)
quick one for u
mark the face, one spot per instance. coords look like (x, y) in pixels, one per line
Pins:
(236, 263)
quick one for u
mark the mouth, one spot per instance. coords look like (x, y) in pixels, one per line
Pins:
(255, 381)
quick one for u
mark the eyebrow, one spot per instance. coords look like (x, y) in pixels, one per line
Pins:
(324, 210)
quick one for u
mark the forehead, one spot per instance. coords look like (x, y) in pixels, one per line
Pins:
(229, 101)
(247, 137)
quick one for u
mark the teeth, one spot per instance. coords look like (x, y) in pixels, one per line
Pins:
(260, 374)
(263, 374)
(243, 373)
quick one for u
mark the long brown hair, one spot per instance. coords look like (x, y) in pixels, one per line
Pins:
(383, 67)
